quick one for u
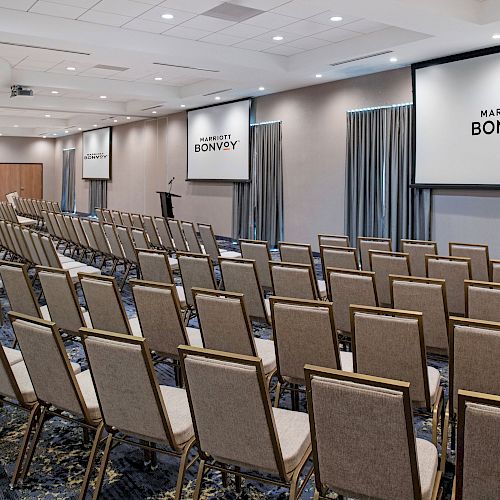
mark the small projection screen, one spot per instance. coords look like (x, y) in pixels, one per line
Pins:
(97, 154)
(219, 142)
(457, 120)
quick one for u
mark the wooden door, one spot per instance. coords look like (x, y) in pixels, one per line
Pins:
(10, 179)
(25, 178)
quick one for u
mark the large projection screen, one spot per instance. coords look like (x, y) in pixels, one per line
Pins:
(219, 142)
(97, 154)
(457, 113)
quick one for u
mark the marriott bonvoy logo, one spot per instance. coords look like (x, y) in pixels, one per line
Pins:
(223, 142)
(95, 156)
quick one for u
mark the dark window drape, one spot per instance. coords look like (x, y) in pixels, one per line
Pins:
(258, 204)
(379, 162)
(68, 201)
(98, 195)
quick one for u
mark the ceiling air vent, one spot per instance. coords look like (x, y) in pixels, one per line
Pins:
(187, 67)
(40, 47)
(361, 58)
(110, 68)
(217, 92)
(152, 107)
(230, 12)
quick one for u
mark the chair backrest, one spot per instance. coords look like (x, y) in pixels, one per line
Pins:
(482, 300)
(118, 359)
(333, 240)
(9, 387)
(478, 446)
(126, 219)
(18, 287)
(26, 233)
(13, 238)
(474, 352)
(164, 233)
(240, 276)
(136, 220)
(224, 322)
(100, 216)
(127, 243)
(48, 364)
(100, 238)
(150, 228)
(293, 280)
(22, 243)
(365, 244)
(495, 270)
(87, 228)
(71, 229)
(304, 333)
(297, 253)
(454, 270)
(346, 287)
(114, 243)
(259, 252)
(159, 312)
(62, 227)
(479, 258)
(235, 430)
(139, 237)
(427, 296)
(40, 250)
(196, 271)
(155, 266)
(104, 303)
(190, 237)
(209, 241)
(48, 223)
(338, 257)
(82, 237)
(117, 218)
(378, 458)
(61, 298)
(175, 228)
(417, 250)
(390, 343)
(55, 225)
(50, 252)
(107, 216)
(383, 264)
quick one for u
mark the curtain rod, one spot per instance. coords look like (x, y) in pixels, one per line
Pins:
(381, 107)
(265, 123)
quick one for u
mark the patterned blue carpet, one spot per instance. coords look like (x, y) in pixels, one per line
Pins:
(61, 457)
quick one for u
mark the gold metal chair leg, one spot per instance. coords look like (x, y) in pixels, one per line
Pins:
(34, 443)
(316, 495)
(436, 410)
(199, 480)
(182, 468)
(91, 462)
(444, 438)
(102, 468)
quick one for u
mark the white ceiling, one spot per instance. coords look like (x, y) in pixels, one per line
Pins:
(196, 54)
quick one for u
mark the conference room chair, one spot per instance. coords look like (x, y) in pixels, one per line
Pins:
(117, 218)
(56, 208)
(125, 237)
(64, 232)
(23, 221)
(495, 270)
(482, 300)
(16, 249)
(235, 423)
(375, 453)
(26, 234)
(73, 236)
(151, 231)
(196, 270)
(87, 229)
(107, 216)
(25, 253)
(146, 415)
(62, 301)
(365, 244)
(48, 224)
(84, 244)
(136, 221)
(102, 243)
(454, 270)
(390, 343)
(36, 238)
(211, 246)
(258, 251)
(105, 307)
(178, 238)
(304, 333)
(241, 276)
(117, 254)
(6, 230)
(428, 296)
(338, 257)
(333, 240)
(476, 471)
(57, 232)
(293, 280)
(164, 234)
(126, 219)
(384, 264)
(225, 326)
(60, 388)
(300, 253)
(191, 237)
(139, 237)
(417, 250)
(479, 258)
(155, 265)
(99, 215)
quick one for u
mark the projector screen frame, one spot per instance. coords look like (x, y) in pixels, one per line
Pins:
(435, 62)
(250, 105)
(110, 154)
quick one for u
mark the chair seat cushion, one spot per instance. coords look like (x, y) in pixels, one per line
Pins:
(83, 269)
(265, 351)
(177, 406)
(229, 254)
(174, 265)
(73, 264)
(346, 361)
(427, 457)
(84, 380)
(434, 382)
(267, 305)
(23, 380)
(181, 295)
(135, 326)
(25, 221)
(45, 313)
(64, 258)
(13, 355)
(194, 336)
(294, 437)
(322, 288)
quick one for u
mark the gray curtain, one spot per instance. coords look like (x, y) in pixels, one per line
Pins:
(68, 201)
(98, 195)
(258, 204)
(379, 163)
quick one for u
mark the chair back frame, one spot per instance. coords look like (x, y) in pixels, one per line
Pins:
(312, 276)
(367, 274)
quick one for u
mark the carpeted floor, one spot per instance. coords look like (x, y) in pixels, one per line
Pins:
(61, 457)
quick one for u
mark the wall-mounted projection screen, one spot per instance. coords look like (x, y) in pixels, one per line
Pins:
(457, 129)
(219, 142)
(97, 154)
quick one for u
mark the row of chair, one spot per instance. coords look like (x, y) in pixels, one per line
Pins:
(8, 213)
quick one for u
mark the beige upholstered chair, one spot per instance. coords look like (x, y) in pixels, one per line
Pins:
(383, 264)
(107, 216)
(102, 242)
(136, 221)
(454, 270)
(59, 387)
(37, 242)
(476, 472)
(105, 306)
(87, 229)
(164, 234)
(258, 251)
(346, 287)
(117, 253)
(151, 231)
(225, 326)
(139, 237)
(241, 276)
(364, 443)
(178, 238)
(235, 424)
(299, 253)
(339, 258)
(495, 270)
(293, 280)
(126, 219)
(482, 300)
(100, 216)
(304, 333)
(210, 244)
(117, 218)
(417, 250)
(365, 244)
(146, 413)
(333, 240)
(390, 343)
(428, 296)
(191, 237)
(479, 258)
(128, 246)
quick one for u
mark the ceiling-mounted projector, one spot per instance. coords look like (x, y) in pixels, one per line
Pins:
(20, 91)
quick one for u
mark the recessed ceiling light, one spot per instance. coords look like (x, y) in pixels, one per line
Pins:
(115, 121)
(15, 126)
(66, 131)
(103, 96)
(393, 59)
(1, 133)
(128, 117)
(496, 36)
(47, 116)
(167, 16)
(154, 112)
(55, 92)
(95, 125)
(217, 98)
(79, 128)
(158, 78)
(54, 134)
(183, 105)
(262, 88)
(43, 136)
(319, 75)
(277, 38)
(71, 68)
(336, 19)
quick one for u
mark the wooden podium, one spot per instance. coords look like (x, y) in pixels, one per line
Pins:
(167, 209)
